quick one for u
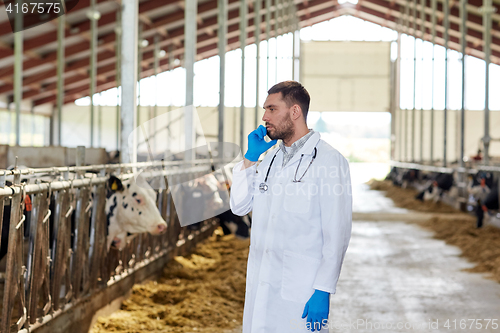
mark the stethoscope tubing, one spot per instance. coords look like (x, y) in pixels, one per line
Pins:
(263, 186)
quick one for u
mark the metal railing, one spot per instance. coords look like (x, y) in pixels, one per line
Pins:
(431, 168)
(66, 258)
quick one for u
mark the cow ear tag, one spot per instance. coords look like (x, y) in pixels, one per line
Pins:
(114, 186)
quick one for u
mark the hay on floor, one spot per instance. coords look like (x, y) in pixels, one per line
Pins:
(405, 198)
(203, 292)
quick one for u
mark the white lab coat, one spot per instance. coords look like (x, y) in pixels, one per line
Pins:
(299, 236)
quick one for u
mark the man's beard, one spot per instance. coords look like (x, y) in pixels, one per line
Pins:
(284, 131)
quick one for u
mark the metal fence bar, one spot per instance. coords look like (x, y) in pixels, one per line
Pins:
(79, 259)
(78, 183)
(98, 236)
(61, 250)
(421, 167)
(38, 267)
(14, 281)
(109, 167)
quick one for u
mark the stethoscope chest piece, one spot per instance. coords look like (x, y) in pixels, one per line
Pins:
(263, 187)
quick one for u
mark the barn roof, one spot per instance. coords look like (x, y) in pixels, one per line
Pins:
(165, 18)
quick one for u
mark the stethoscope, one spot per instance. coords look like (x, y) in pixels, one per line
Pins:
(263, 186)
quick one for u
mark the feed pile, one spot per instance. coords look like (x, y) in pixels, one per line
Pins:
(202, 292)
(480, 246)
(405, 198)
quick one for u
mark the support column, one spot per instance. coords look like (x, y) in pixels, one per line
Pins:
(243, 38)
(446, 24)
(33, 128)
(433, 32)
(190, 27)
(414, 26)
(9, 121)
(294, 40)
(487, 9)
(277, 29)
(463, 42)
(169, 115)
(422, 28)
(118, 38)
(222, 45)
(139, 71)
(52, 129)
(257, 21)
(18, 71)
(155, 109)
(99, 122)
(130, 21)
(93, 16)
(268, 36)
(398, 117)
(60, 72)
(296, 46)
(392, 106)
(407, 28)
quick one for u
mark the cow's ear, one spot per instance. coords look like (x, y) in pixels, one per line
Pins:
(115, 184)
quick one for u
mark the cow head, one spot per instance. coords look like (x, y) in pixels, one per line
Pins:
(132, 209)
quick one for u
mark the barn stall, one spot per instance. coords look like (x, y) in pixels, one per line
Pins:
(61, 273)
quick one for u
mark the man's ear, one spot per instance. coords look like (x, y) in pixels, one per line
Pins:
(296, 111)
(115, 184)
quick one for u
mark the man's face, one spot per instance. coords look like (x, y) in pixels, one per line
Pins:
(277, 118)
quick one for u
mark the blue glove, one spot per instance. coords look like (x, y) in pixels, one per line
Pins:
(317, 309)
(257, 145)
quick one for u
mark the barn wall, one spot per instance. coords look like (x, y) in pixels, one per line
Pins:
(346, 76)
(474, 131)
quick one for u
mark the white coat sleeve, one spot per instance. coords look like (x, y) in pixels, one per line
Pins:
(336, 222)
(241, 197)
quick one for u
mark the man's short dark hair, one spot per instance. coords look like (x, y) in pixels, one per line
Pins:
(293, 93)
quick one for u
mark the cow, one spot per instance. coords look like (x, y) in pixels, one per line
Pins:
(131, 209)
(490, 202)
(402, 178)
(479, 185)
(440, 184)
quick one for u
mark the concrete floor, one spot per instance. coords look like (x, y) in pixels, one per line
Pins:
(395, 273)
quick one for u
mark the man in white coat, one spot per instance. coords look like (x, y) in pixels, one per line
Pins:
(301, 203)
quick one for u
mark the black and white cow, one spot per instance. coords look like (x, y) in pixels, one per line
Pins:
(490, 203)
(479, 185)
(440, 184)
(131, 208)
(403, 178)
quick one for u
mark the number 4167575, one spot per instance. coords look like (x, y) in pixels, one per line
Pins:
(471, 324)
(34, 7)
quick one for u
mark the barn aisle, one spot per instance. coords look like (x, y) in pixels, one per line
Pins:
(396, 273)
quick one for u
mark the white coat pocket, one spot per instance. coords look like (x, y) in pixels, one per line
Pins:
(297, 197)
(299, 272)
